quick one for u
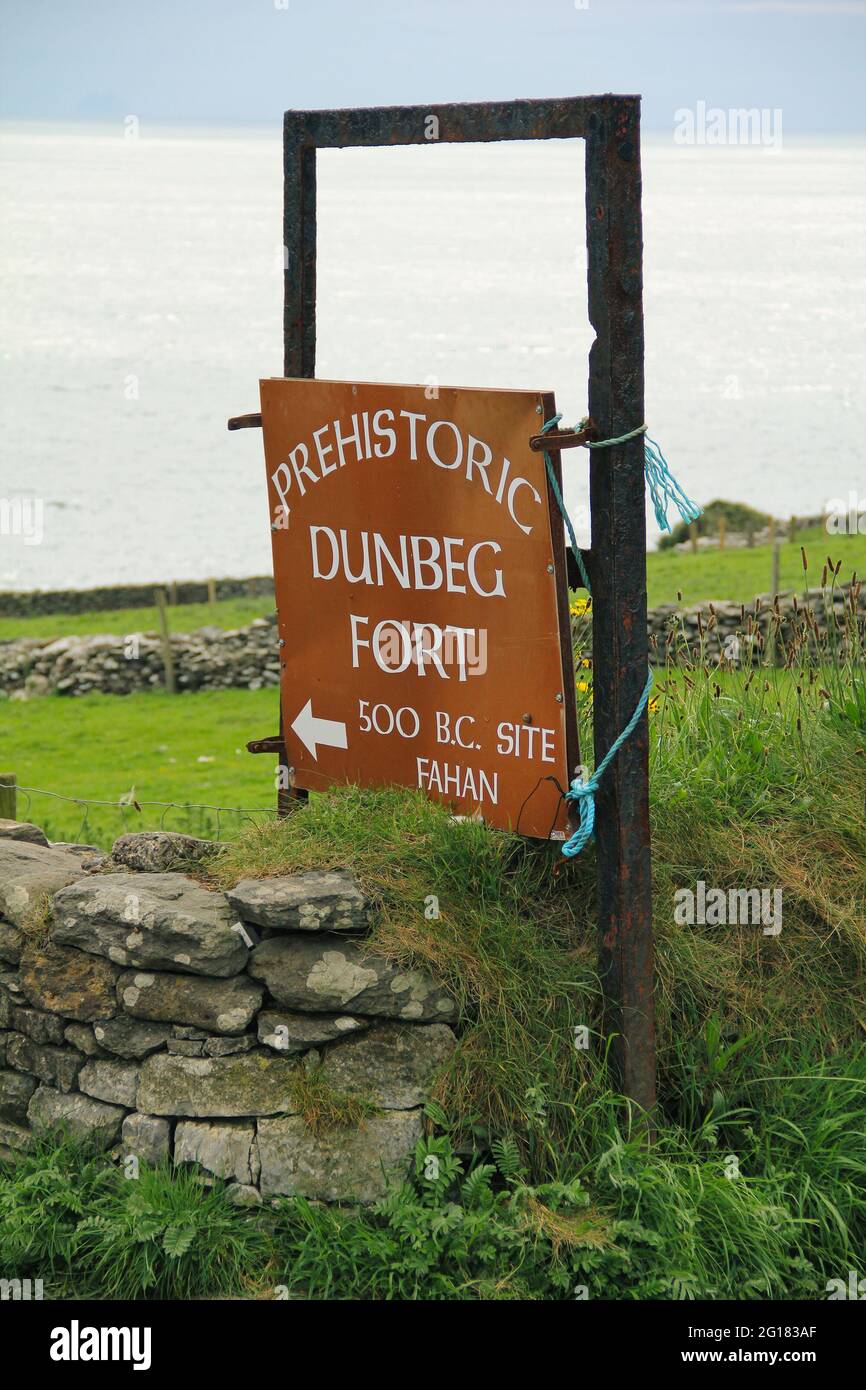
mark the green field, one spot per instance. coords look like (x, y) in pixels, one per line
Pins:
(740, 574)
(181, 748)
(190, 749)
(185, 617)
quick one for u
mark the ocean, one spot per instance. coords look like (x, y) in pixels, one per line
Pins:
(142, 301)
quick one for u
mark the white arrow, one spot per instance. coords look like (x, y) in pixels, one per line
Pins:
(313, 731)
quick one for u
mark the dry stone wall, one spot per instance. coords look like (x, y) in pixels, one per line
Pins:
(164, 1021)
(25, 604)
(248, 658)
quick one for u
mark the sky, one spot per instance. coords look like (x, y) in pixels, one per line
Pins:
(246, 61)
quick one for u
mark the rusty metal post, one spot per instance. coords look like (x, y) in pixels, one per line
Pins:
(620, 655)
(299, 324)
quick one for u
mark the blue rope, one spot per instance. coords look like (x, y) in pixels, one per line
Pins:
(583, 792)
(664, 489)
(663, 486)
(572, 538)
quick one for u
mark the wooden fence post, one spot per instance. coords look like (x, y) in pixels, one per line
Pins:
(775, 579)
(165, 641)
(8, 796)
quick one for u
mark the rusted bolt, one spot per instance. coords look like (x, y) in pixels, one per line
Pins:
(527, 718)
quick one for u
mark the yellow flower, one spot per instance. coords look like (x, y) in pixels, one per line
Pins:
(578, 607)
(582, 686)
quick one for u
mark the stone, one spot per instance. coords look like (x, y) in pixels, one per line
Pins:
(185, 1047)
(157, 850)
(302, 902)
(242, 1195)
(81, 1037)
(226, 1148)
(218, 1006)
(58, 1066)
(16, 1088)
(131, 1037)
(156, 921)
(392, 1065)
(22, 830)
(253, 1083)
(288, 1032)
(69, 982)
(14, 1138)
(11, 943)
(10, 984)
(180, 1030)
(224, 1047)
(340, 1165)
(110, 1080)
(29, 874)
(77, 1115)
(36, 1024)
(325, 974)
(147, 1137)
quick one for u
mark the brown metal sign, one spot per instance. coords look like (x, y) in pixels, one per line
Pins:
(421, 595)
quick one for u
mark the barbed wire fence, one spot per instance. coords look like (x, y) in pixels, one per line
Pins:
(128, 806)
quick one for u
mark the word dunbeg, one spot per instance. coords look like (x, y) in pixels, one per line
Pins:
(420, 580)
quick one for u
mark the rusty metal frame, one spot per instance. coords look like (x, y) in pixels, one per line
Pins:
(610, 127)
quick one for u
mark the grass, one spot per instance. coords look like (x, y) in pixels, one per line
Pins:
(67, 1211)
(738, 575)
(186, 617)
(322, 1107)
(185, 748)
